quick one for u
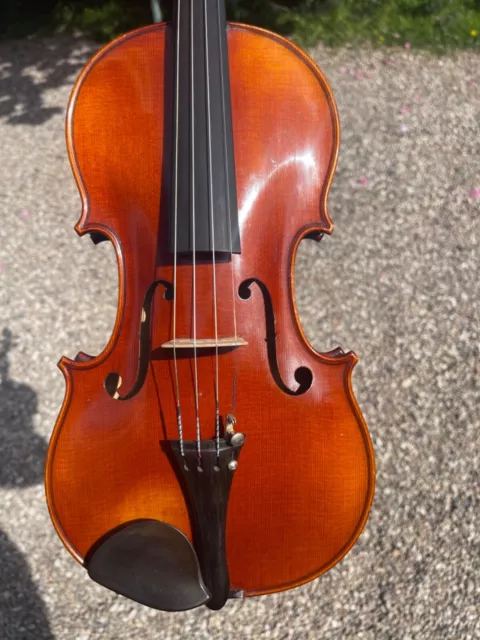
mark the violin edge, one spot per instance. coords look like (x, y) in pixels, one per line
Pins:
(316, 231)
(68, 366)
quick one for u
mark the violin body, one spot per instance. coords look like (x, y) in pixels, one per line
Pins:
(303, 485)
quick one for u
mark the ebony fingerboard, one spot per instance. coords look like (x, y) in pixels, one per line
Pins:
(203, 164)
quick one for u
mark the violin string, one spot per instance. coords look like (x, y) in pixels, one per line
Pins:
(229, 204)
(175, 364)
(212, 222)
(194, 271)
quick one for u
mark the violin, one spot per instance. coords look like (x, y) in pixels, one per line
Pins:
(209, 452)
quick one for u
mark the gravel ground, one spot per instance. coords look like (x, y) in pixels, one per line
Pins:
(398, 282)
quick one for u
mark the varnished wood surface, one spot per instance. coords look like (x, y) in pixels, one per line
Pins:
(304, 486)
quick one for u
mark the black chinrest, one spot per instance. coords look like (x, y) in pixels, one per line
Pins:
(150, 562)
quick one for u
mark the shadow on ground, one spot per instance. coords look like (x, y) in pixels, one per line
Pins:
(29, 71)
(22, 612)
(22, 451)
(22, 456)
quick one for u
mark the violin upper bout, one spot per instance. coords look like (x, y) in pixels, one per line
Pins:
(114, 130)
(287, 162)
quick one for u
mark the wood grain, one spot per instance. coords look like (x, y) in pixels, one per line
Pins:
(305, 482)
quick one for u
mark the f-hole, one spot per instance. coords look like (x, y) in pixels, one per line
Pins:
(303, 375)
(114, 380)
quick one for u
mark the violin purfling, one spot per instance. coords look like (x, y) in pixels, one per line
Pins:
(209, 452)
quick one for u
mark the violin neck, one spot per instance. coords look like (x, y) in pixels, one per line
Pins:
(204, 214)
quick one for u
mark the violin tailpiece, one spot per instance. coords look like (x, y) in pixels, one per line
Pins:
(206, 484)
(154, 563)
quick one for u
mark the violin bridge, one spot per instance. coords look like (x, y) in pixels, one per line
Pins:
(205, 343)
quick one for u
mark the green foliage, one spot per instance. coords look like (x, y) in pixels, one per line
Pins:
(102, 20)
(20, 17)
(438, 24)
